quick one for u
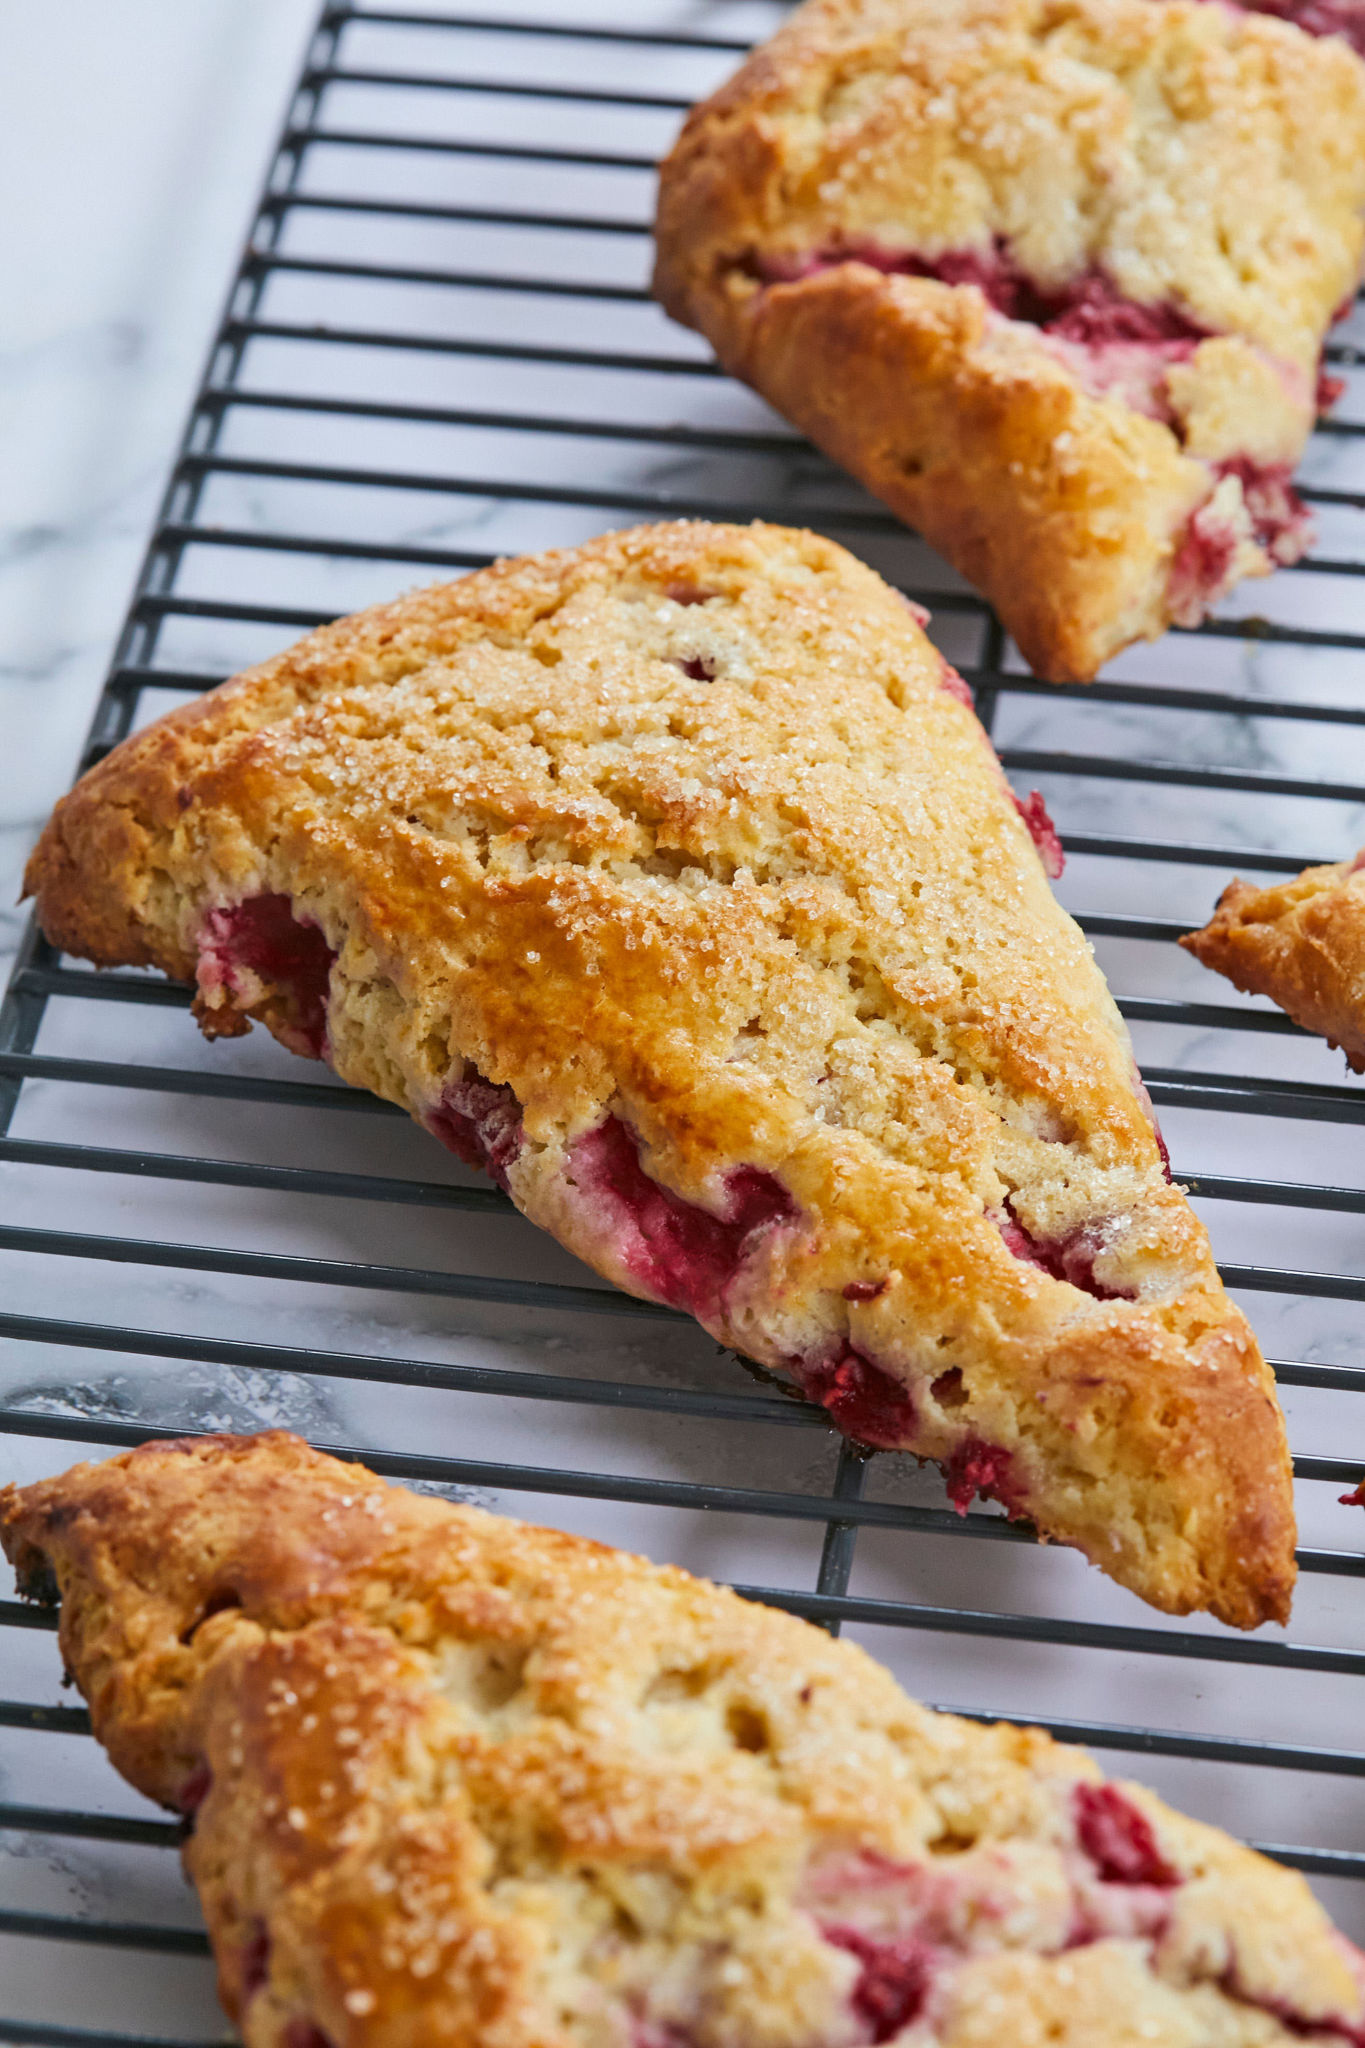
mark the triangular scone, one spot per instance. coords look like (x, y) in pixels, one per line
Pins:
(458, 1782)
(674, 881)
(1050, 276)
(1300, 942)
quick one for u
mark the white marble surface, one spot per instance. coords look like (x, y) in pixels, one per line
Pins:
(132, 140)
(138, 204)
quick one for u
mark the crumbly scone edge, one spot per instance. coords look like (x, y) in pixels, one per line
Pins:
(1302, 943)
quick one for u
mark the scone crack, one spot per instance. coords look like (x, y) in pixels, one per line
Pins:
(1072, 1257)
(685, 847)
(1154, 360)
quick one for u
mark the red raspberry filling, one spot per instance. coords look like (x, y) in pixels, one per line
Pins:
(1065, 1258)
(1043, 833)
(262, 936)
(303, 2034)
(862, 1400)
(1294, 2022)
(679, 1252)
(1202, 568)
(1280, 520)
(195, 1790)
(255, 1965)
(980, 1468)
(481, 1124)
(893, 1984)
(647, 2033)
(1320, 17)
(1089, 310)
(922, 1917)
(1140, 1090)
(1094, 313)
(1118, 1839)
(951, 682)
(1111, 343)
(1328, 390)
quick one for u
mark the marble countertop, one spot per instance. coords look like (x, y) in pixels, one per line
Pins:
(119, 234)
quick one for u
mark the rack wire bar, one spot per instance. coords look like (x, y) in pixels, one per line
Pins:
(44, 1720)
(578, 32)
(184, 1941)
(32, 2034)
(202, 1238)
(244, 330)
(90, 1827)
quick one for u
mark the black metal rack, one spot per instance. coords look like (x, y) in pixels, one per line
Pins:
(440, 347)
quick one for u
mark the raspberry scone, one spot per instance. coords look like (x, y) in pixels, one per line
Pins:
(1300, 942)
(452, 1780)
(1051, 277)
(674, 881)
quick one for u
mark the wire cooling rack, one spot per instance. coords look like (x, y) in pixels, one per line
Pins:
(440, 348)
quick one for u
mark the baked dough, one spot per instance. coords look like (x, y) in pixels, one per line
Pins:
(1321, 17)
(1300, 942)
(673, 881)
(458, 1782)
(1051, 277)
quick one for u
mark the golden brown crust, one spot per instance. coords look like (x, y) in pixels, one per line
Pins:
(458, 1780)
(1302, 943)
(685, 840)
(902, 381)
(1193, 158)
